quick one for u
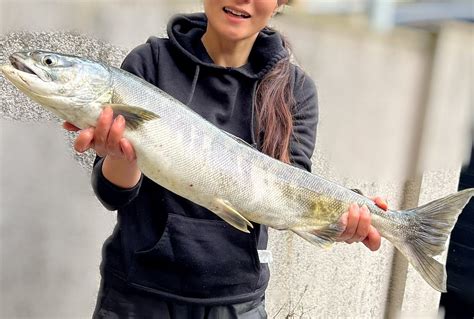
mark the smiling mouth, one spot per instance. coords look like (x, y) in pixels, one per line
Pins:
(19, 65)
(236, 13)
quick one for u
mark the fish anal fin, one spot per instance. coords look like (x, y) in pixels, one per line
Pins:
(224, 210)
(323, 237)
(134, 115)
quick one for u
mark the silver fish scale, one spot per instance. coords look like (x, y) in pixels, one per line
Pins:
(194, 159)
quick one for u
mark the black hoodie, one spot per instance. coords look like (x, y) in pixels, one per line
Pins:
(163, 243)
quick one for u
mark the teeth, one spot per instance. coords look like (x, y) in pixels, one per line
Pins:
(236, 13)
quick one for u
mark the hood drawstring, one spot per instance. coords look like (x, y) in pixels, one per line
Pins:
(252, 124)
(193, 86)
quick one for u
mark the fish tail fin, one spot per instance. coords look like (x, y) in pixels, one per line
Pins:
(422, 234)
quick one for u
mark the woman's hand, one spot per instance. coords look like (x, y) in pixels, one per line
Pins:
(358, 225)
(106, 138)
(120, 163)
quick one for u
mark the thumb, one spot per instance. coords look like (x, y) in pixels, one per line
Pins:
(380, 202)
(70, 127)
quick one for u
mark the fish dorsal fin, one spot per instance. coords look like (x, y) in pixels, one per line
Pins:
(238, 139)
(134, 115)
(358, 191)
(224, 210)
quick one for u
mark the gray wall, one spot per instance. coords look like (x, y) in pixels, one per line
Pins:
(396, 110)
(381, 108)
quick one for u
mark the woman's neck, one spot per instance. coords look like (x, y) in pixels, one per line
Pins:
(227, 53)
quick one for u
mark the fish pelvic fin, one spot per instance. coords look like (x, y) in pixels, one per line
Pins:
(321, 237)
(134, 115)
(429, 227)
(224, 210)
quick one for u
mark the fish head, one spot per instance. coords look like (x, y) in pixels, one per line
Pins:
(73, 88)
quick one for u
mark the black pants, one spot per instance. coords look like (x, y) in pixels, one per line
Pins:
(119, 304)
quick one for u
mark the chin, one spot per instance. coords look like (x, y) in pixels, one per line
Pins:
(236, 34)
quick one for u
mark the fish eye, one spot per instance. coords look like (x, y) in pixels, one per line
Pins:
(49, 60)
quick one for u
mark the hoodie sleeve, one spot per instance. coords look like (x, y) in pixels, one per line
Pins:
(305, 121)
(140, 61)
(110, 195)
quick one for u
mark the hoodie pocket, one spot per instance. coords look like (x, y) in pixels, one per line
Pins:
(199, 258)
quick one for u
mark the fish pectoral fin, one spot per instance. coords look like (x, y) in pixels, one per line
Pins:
(224, 210)
(134, 115)
(321, 237)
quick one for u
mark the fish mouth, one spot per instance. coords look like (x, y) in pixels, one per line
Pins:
(17, 61)
(26, 69)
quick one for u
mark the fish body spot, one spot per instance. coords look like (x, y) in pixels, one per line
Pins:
(325, 208)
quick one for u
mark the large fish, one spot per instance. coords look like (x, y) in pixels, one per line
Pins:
(186, 154)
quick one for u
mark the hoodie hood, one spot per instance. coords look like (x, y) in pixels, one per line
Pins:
(186, 30)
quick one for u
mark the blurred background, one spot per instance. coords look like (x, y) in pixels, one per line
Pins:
(395, 84)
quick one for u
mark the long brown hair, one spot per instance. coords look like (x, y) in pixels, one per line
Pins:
(274, 103)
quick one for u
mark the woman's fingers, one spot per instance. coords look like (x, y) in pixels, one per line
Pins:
(84, 140)
(373, 239)
(360, 219)
(115, 135)
(357, 221)
(363, 226)
(102, 130)
(127, 150)
(351, 224)
(106, 138)
(359, 228)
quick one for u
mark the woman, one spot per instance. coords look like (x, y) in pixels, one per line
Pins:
(168, 257)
